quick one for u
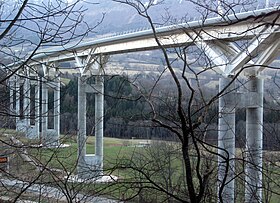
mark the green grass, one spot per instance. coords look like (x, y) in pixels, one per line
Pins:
(8, 131)
(62, 158)
(115, 149)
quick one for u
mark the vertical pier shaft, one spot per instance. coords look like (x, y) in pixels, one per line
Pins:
(44, 109)
(99, 119)
(57, 107)
(37, 108)
(17, 88)
(226, 140)
(11, 88)
(81, 124)
(26, 102)
(254, 141)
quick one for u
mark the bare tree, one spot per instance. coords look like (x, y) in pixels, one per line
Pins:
(187, 115)
(27, 28)
(186, 168)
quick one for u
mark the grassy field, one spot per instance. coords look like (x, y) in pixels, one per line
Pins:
(62, 158)
(115, 149)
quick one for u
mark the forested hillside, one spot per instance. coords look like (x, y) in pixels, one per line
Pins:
(127, 115)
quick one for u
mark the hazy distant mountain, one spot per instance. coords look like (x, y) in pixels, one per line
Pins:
(120, 17)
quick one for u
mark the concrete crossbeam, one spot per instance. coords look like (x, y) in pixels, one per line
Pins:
(93, 88)
(248, 100)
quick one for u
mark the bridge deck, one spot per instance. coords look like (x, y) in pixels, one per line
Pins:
(232, 27)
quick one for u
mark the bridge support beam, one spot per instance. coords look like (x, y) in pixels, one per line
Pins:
(22, 88)
(99, 116)
(11, 88)
(254, 142)
(26, 103)
(90, 165)
(56, 110)
(37, 109)
(12, 93)
(44, 124)
(17, 109)
(81, 127)
(226, 140)
(50, 137)
(29, 129)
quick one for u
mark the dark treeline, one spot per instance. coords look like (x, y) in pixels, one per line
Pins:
(127, 115)
(126, 112)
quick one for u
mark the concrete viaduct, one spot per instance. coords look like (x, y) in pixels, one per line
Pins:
(214, 36)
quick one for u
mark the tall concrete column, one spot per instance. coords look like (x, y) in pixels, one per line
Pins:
(99, 117)
(254, 141)
(226, 140)
(26, 103)
(17, 89)
(81, 125)
(37, 108)
(57, 107)
(44, 110)
(12, 110)
(11, 88)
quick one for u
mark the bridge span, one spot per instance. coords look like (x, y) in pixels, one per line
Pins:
(214, 36)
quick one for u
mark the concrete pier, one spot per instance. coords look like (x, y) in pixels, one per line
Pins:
(50, 134)
(37, 109)
(17, 109)
(12, 88)
(226, 140)
(254, 141)
(57, 109)
(99, 117)
(44, 124)
(26, 103)
(12, 100)
(90, 165)
(81, 167)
